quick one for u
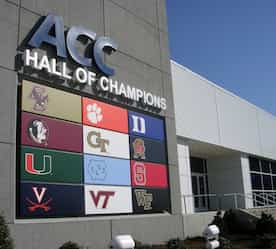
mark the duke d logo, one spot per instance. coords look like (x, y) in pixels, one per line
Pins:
(95, 141)
(139, 148)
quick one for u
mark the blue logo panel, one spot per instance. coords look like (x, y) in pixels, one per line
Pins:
(148, 150)
(39, 200)
(146, 126)
(106, 170)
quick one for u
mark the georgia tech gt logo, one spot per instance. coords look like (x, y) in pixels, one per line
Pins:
(95, 141)
(40, 96)
(140, 178)
(143, 198)
(139, 148)
(30, 168)
(39, 194)
(97, 196)
(38, 131)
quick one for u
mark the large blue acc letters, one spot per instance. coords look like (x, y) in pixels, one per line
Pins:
(106, 170)
(145, 126)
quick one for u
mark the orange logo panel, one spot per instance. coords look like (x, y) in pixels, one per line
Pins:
(99, 114)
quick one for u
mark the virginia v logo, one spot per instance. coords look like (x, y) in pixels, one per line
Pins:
(139, 124)
(30, 168)
(39, 194)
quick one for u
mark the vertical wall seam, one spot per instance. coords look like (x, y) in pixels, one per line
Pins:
(217, 113)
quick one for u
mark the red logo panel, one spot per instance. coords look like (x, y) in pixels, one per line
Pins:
(148, 174)
(99, 114)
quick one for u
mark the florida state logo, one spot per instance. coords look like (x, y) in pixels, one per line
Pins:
(139, 148)
(40, 96)
(38, 131)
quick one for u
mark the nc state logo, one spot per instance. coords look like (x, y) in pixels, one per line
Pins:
(139, 172)
(38, 131)
(38, 204)
(139, 148)
(40, 96)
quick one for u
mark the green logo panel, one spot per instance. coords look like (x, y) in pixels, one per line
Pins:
(50, 166)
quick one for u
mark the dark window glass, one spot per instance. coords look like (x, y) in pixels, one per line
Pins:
(274, 182)
(273, 167)
(197, 165)
(265, 166)
(256, 181)
(267, 182)
(258, 199)
(254, 164)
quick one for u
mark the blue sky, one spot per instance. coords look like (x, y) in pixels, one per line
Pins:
(230, 42)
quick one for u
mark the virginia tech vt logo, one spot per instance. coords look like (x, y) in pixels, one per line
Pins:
(39, 204)
(95, 140)
(139, 148)
(40, 97)
(38, 131)
(104, 195)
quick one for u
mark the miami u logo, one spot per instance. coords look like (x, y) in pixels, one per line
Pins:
(30, 168)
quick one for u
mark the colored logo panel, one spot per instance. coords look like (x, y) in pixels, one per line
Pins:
(99, 114)
(146, 126)
(150, 200)
(50, 200)
(105, 143)
(50, 165)
(143, 149)
(149, 174)
(39, 131)
(106, 170)
(51, 102)
(107, 200)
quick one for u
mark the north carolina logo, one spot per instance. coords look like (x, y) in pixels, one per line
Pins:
(40, 96)
(38, 131)
(94, 113)
(97, 169)
(139, 148)
(39, 204)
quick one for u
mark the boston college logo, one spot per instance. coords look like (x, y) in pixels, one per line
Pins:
(30, 167)
(139, 148)
(95, 140)
(139, 174)
(38, 204)
(101, 195)
(40, 96)
(94, 113)
(143, 198)
(38, 131)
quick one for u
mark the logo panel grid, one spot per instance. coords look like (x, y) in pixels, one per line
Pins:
(112, 160)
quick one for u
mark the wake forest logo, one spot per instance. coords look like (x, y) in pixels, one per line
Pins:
(95, 140)
(143, 199)
(94, 113)
(139, 148)
(38, 131)
(30, 166)
(140, 178)
(40, 97)
(39, 194)
(101, 196)
(97, 169)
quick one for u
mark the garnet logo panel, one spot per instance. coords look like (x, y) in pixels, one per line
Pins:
(147, 200)
(106, 170)
(51, 102)
(50, 166)
(107, 200)
(40, 131)
(145, 126)
(149, 174)
(102, 115)
(50, 200)
(143, 149)
(105, 143)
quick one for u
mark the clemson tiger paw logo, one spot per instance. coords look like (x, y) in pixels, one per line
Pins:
(94, 113)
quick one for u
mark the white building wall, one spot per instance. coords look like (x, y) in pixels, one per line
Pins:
(209, 113)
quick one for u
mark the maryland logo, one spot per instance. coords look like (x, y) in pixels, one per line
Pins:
(40, 97)
(39, 203)
(139, 148)
(38, 131)
(143, 198)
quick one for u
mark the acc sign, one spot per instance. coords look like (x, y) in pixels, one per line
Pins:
(102, 45)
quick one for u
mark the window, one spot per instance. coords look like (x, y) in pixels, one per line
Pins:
(254, 164)
(256, 181)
